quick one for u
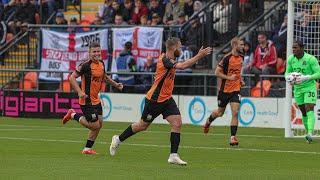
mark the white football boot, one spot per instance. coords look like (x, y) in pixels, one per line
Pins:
(114, 145)
(175, 159)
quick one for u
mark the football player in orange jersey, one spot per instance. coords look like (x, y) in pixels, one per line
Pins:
(159, 99)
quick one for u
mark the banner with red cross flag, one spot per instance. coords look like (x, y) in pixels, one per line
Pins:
(65, 51)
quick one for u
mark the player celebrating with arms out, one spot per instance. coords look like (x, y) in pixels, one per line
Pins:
(229, 71)
(305, 90)
(93, 75)
(159, 99)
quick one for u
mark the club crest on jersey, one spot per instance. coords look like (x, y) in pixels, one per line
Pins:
(304, 63)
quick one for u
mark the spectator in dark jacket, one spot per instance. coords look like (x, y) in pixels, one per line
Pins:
(188, 8)
(126, 11)
(155, 7)
(74, 21)
(8, 10)
(279, 38)
(25, 13)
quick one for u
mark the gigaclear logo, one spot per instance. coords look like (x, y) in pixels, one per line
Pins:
(107, 105)
(247, 112)
(197, 110)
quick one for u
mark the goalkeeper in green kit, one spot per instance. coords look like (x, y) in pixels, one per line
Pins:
(305, 69)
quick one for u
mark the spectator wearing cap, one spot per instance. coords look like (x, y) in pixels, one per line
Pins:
(73, 22)
(155, 7)
(156, 20)
(118, 20)
(126, 10)
(173, 9)
(188, 8)
(182, 18)
(139, 10)
(60, 20)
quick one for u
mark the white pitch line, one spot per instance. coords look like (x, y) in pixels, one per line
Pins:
(166, 146)
(120, 130)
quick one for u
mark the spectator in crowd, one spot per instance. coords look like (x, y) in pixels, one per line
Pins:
(221, 15)
(156, 20)
(182, 18)
(197, 6)
(73, 22)
(107, 12)
(155, 7)
(118, 20)
(116, 6)
(247, 56)
(279, 37)
(145, 80)
(8, 10)
(49, 7)
(264, 58)
(144, 20)
(25, 14)
(188, 8)
(126, 63)
(173, 9)
(308, 28)
(96, 21)
(60, 20)
(192, 39)
(139, 10)
(127, 11)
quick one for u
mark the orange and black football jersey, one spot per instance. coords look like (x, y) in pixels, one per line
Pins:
(161, 89)
(92, 78)
(231, 65)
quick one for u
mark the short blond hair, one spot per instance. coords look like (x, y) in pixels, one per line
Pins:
(235, 41)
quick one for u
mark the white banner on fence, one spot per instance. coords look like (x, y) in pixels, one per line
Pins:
(64, 51)
(254, 112)
(146, 41)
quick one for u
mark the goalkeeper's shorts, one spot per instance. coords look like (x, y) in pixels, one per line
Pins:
(308, 97)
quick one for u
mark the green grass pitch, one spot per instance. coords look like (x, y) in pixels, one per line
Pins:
(43, 149)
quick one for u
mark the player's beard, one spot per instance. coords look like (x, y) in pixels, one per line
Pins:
(96, 58)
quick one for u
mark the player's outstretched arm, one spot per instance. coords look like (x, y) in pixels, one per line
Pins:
(113, 83)
(75, 85)
(188, 63)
